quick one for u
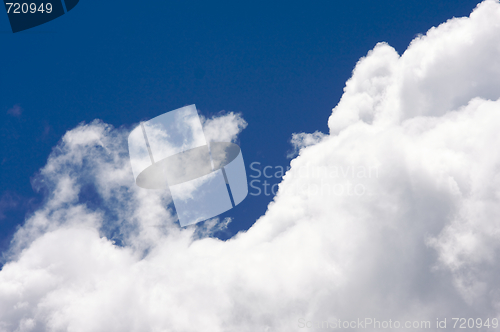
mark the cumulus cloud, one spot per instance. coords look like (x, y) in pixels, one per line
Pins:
(394, 215)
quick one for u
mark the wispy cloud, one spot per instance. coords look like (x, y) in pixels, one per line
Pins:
(16, 111)
(8, 201)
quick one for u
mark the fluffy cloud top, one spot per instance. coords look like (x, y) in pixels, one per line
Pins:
(393, 215)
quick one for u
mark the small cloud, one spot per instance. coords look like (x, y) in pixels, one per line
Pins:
(47, 129)
(16, 111)
(223, 127)
(8, 201)
(212, 226)
(302, 140)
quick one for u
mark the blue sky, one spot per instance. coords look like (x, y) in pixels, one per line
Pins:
(282, 65)
(389, 210)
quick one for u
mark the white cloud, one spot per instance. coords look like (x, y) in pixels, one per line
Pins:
(223, 128)
(302, 140)
(418, 133)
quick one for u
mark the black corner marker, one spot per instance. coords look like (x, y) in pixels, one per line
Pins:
(70, 4)
(31, 13)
